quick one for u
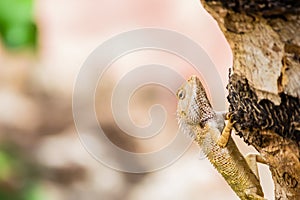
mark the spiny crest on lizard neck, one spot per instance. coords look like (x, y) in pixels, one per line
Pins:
(193, 105)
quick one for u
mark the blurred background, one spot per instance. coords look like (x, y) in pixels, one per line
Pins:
(43, 45)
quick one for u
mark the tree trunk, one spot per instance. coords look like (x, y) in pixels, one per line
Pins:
(264, 90)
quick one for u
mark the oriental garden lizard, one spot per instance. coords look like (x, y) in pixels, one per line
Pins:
(197, 118)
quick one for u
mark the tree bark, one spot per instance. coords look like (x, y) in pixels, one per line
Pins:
(264, 90)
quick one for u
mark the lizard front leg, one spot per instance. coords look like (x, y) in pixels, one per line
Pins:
(225, 135)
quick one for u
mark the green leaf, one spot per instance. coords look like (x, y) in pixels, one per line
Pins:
(17, 26)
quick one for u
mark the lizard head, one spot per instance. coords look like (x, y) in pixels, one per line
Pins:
(193, 105)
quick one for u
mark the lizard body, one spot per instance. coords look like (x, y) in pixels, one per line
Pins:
(197, 118)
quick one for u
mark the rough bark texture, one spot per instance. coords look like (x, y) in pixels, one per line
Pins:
(264, 89)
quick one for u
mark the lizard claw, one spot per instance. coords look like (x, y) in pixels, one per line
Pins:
(228, 116)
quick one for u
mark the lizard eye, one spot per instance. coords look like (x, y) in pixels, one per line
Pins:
(181, 94)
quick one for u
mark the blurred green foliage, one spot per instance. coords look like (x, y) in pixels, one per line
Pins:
(17, 25)
(19, 179)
